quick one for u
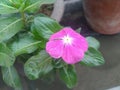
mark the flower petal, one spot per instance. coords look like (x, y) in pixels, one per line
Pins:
(79, 41)
(58, 35)
(54, 48)
(71, 32)
(72, 55)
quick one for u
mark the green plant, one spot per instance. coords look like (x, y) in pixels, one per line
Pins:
(23, 36)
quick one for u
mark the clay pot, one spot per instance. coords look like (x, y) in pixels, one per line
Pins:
(103, 15)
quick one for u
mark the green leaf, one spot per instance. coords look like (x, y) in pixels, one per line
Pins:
(9, 27)
(7, 57)
(92, 58)
(24, 44)
(35, 33)
(37, 37)
(92, 42)
(11, 77)
(68, 76)
(49, 78)
(34, 5)
(38, 65)
(17, 2)
(59, 63)
(45, 27)
(6, 7)
(78, 30)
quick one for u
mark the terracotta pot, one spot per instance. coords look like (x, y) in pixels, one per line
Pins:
(103, 15)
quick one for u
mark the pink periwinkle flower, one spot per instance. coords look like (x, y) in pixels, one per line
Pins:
(68, 45)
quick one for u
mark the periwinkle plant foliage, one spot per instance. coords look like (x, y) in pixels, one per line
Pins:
(23, 36)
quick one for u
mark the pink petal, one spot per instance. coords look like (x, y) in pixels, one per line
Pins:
(81, 43)
(79, 40)
(58, 35)
(54, 48)
(72, 55)
(72, 33)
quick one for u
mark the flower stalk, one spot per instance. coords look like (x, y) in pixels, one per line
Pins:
(24, 18)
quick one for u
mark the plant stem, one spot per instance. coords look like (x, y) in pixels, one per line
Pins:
(24, 18)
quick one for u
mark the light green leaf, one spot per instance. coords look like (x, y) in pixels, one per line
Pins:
(92, 42)
(78, 30)
(33, 5)
(7, 58)
(68, 76)
(6, 7)
(92, 58)
(19, 4)
(11, 77)
(38, 65)
(9, 27)
(45, 27)
(24, 44)
(16, 2)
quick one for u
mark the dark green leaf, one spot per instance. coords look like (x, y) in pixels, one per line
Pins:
(37, 37)
(6, 7)
(92, 42)
(7, 58)
(68, 76)
(38, 65)
(34, 5)
(45, 27)
(11, 77)
(49, 78)
(58, 63)
(9, 27)
(24, 44)
(92, 58)
(35, 33)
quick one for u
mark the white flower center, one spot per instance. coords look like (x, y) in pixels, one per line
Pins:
(67, 39)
